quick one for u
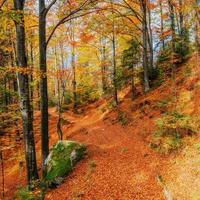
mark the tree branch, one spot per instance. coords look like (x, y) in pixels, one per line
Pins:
(2, 3)
(49, 6)
(139, 17)
(70, 17)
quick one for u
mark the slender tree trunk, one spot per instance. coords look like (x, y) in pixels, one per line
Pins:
(115, 95)
(14, 78)
(172, 18)
(73, 68)
(63, 84)
(181, 22)
(114, 69)
(133, 82)
(150, 40)
(38, 94)
(103, 66)
(74, 80)
(25, 107)
(162, 24)
(59, 106)
(5, 92)
(176, 21)
(2, 174)
(31, 76)
(197, 26)
(181, 17)
(145, 50)
(43, 83)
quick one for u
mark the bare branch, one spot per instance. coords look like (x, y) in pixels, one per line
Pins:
(69, 17)
(64, 20)
(2, 3)
(139, 17)
(127, 17)
(49, 6)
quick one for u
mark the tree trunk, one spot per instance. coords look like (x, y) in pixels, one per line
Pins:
(25, 107)
(59, 100)
(197, 26)
(31, 75)
(73, 68)
(38, 94)
(172, 18)
(145, 53)
(2, 174)
(32, 68)
(133, 82)
(162, 25)
(103, 66)
(5, 92)
(150, 40)
(115, 96)
(114, 69)
(43, 83)
(12, 61)
(181, 17)
(63, 83)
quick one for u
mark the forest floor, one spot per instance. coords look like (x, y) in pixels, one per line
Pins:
(120, 164)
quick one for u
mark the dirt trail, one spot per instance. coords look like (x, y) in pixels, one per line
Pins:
(119, 164)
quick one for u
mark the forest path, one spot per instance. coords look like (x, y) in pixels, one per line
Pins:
(119, 164)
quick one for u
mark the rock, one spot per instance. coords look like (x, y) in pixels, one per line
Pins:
(61, 160)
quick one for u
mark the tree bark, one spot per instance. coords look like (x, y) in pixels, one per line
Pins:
(172, 18)
(63, 82)
(162, 24)
(59, 98)
(32, 68)
(2, 174)
(25, 107)
(103, 65)
(197, 26)
(181, 17)
(31, 76)
(145, 52)
(133, 82)
(114, 68)
(150, 40)
(115, 95)
(43, 83)
(73, 68)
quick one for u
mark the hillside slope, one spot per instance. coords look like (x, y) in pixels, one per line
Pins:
(120, 164)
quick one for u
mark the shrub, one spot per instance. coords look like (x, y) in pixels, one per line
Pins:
(122, 118)
(170, 129)
(68, 97)
(155, 76)
(24, 194)
(182, 47)
(182, 50)
(162, 104)
(111, 105)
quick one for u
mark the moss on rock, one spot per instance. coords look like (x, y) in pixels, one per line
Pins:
(61, 160)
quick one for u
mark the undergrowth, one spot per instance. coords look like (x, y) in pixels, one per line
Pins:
(91, 167)
(122, 118)
(170, 129)
(24, 194)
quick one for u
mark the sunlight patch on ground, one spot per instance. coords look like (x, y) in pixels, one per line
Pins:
(183, 176)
